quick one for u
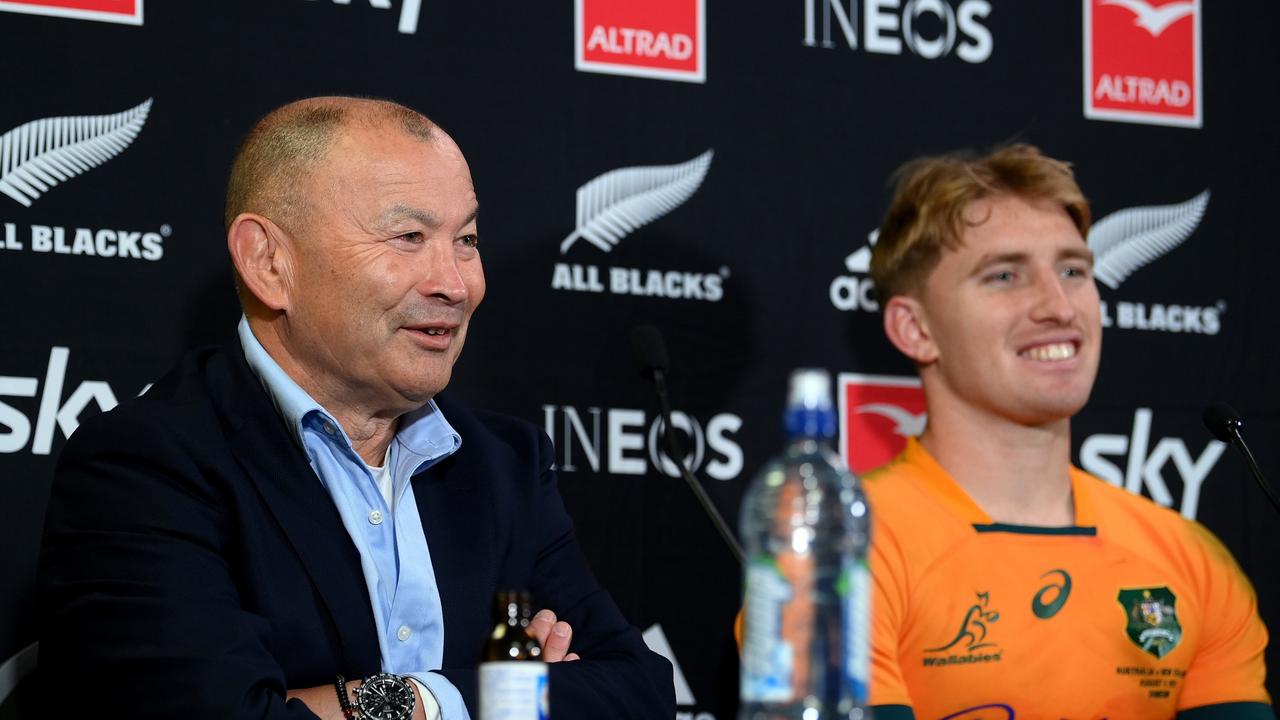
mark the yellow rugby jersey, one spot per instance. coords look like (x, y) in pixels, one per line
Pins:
(1134, 612)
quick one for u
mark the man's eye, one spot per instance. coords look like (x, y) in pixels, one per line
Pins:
(470, 240)
(1077, 272)
(1000, 276)
(413, 237)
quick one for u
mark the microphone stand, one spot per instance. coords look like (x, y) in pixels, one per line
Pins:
(673, 449)
(1237, 440)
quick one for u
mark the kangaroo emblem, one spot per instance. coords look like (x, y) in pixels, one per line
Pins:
(974, 628)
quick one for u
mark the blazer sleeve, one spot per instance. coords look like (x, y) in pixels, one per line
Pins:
(141, 615)
(618, 676)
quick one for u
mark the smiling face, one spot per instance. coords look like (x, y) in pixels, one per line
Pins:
(386, 270)
(1010, 322)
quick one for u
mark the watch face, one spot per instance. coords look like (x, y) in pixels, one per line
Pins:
(385, 697)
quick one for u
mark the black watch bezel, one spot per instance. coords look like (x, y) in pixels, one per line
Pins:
(386, 697)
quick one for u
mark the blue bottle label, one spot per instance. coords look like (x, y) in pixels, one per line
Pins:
(769, 650)
(856, 590)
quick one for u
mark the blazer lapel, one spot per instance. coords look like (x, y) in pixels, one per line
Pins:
(460, 519)
(300, 504)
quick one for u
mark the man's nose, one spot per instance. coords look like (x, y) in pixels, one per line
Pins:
(442, 276)
(1052, 303)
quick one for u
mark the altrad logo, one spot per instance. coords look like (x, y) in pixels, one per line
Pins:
(1142, 61)
(128, 12)
(662, 39)
(881, 411)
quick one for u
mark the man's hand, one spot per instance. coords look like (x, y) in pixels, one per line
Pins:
(553, 636)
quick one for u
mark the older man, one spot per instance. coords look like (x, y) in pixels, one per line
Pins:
(306, 504)
(1007, 582)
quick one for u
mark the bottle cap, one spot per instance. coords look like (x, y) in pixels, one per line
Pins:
(809, 411)
(810, 389)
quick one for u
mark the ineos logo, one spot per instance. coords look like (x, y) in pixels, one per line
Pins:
(609, 439)
(886, 26)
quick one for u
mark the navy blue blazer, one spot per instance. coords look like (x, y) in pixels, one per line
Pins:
(194, 567)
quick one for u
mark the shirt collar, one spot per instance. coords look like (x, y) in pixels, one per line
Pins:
(950, 492)
(424, 433)
(291, 401)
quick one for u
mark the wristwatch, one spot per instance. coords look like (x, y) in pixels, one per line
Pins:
(385, 697)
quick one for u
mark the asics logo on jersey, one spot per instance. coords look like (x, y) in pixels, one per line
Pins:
(1045, 610)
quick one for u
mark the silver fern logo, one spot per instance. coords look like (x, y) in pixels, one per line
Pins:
(612, 206)
(1127, 239)
(40, 154)
(615, 204)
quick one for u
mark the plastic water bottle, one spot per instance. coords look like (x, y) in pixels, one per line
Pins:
(805, 529)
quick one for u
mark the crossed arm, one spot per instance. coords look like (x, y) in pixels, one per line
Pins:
(161, 565)
(553, 635)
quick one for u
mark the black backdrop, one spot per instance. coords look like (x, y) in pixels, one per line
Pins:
(752, 267)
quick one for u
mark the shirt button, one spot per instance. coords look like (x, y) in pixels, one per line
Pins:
(403, 633)
(375, 517)
(329, 428)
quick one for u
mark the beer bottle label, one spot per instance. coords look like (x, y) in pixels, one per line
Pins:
(513, 691)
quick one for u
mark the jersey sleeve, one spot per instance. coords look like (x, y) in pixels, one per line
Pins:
(888, 609)
(1228, 666)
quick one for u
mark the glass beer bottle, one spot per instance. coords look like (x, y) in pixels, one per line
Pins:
(513, 677)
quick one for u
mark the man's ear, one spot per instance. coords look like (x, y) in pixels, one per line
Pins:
(908, 329)
(260, 251)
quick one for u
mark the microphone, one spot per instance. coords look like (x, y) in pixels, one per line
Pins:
(1225, 424)
(650, 353)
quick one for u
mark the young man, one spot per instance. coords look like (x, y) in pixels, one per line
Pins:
(1009, 583)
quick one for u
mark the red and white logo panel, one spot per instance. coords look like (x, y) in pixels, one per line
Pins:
(662, 39)
(128, 12)
(877, 415)
(1142, 61)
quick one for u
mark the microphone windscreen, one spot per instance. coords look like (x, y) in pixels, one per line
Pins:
(1219, 418)
(649, 350)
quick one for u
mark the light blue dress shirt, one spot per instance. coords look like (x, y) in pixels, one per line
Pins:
(393, 547)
